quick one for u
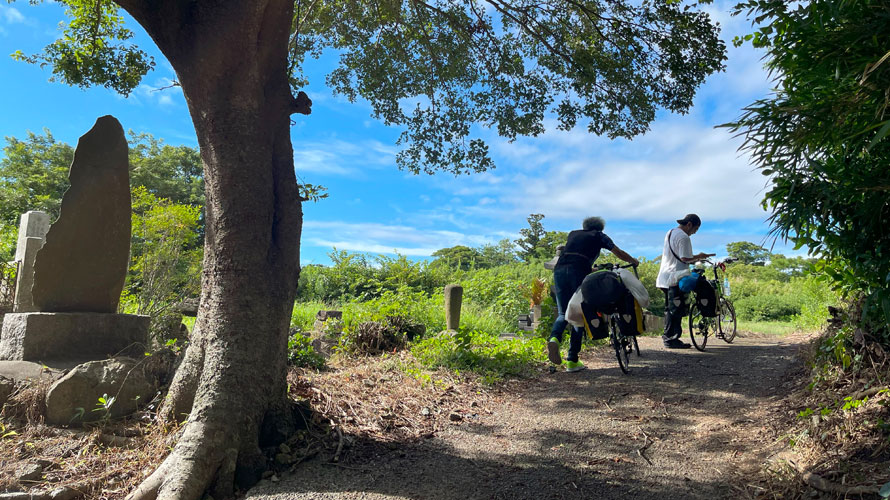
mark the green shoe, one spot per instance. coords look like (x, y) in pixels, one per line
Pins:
(553, 351)
(575, 366)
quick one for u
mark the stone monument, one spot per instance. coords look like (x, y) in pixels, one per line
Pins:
(32, 234)
(80, 269)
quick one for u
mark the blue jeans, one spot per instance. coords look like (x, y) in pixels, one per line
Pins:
(566, 281)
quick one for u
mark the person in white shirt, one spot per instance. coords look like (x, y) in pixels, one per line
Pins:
(675, 260)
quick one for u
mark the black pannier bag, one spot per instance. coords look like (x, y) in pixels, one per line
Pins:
(603, 290)
(603, 293)
(596, 326)
(706, 298)
(630, 316)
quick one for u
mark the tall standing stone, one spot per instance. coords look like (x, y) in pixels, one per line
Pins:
(453, 297)
(32, 234)
(83, 264)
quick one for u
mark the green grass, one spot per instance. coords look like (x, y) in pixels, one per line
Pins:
(493, 359)
(779, 328)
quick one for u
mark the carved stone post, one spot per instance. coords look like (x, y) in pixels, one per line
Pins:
(32, 233)
(453, 297)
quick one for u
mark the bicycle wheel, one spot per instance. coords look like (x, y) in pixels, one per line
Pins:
(728, 323)
(698, 327)
(619, 343)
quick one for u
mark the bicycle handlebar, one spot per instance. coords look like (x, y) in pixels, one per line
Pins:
(609, 266)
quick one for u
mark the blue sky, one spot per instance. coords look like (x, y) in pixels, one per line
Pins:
(640, 187)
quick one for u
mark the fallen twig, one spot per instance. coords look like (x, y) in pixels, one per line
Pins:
(647, 444)
(339, 446)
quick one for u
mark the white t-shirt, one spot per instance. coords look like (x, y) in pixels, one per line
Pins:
(670, 265)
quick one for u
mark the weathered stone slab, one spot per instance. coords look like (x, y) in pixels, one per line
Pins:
(24, 278)
(49, 337)
(32, 224)
(21, 371)
(74, 397)
(83, 264)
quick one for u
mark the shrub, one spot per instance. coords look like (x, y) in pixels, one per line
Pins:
(371, 338)
(479, 352)
(303, 315)
(300, 352)
(768, 307)
(816, 297)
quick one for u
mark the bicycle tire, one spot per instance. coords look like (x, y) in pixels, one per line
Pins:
(617, 341)
(726, 305)
(698, 327)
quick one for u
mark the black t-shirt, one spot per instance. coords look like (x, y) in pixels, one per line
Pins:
(582, 248)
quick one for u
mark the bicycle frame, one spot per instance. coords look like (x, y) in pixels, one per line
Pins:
(700, 326)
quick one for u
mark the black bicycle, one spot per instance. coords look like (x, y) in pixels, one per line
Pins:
(724, 324)
(623, 344)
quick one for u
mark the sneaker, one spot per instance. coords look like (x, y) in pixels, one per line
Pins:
(574, 366)
(676, 344)
(553, 351)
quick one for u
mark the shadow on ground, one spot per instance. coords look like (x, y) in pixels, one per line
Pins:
(680, 426)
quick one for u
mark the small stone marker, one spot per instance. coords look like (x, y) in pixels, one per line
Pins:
(453, 297)
(83, 264)
(32, 231)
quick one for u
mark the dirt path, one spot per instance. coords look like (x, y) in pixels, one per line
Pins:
(682, 425)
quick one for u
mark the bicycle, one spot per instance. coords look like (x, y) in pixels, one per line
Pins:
(724, 324)
(623, 344)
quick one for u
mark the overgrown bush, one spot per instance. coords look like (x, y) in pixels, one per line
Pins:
(167, 255)
(479, 352)
(300, 352)
(361, 278)
(371, 338)
(768, 307)
(816, 296)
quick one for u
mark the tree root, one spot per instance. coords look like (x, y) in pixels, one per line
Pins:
(189, 470)
(820, 483)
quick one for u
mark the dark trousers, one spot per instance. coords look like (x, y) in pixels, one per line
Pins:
(565, 281)
(674, 310)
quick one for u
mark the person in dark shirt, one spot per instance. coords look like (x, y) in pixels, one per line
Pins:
(581, 249)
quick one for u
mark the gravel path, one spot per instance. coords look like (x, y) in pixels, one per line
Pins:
(683, 425)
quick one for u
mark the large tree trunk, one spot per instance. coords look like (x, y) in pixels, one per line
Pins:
(231, 60)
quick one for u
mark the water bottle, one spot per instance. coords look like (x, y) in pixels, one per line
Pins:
(726, 286)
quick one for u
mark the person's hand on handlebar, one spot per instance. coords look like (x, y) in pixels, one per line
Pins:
(702, 256)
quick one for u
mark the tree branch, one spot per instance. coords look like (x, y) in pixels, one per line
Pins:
(301, 104)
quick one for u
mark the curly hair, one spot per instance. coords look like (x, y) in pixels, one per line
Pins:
(593, 223)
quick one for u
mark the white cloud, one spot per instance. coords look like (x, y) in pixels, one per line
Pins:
(162, 92)
(339, 157)
(11, 15)
(384, 238)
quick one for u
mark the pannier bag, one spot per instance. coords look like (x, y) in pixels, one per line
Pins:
(595, 324)
(602, 291)
(706, 298)
(630, 316)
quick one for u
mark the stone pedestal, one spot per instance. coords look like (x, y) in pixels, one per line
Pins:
(48, 337)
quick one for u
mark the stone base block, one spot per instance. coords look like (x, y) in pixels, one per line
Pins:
(47, 337)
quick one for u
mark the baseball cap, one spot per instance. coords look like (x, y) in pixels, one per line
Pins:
(694, 219)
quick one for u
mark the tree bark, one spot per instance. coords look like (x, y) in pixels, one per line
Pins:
(231, 59)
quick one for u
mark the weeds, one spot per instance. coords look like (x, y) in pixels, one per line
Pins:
(480, 353)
